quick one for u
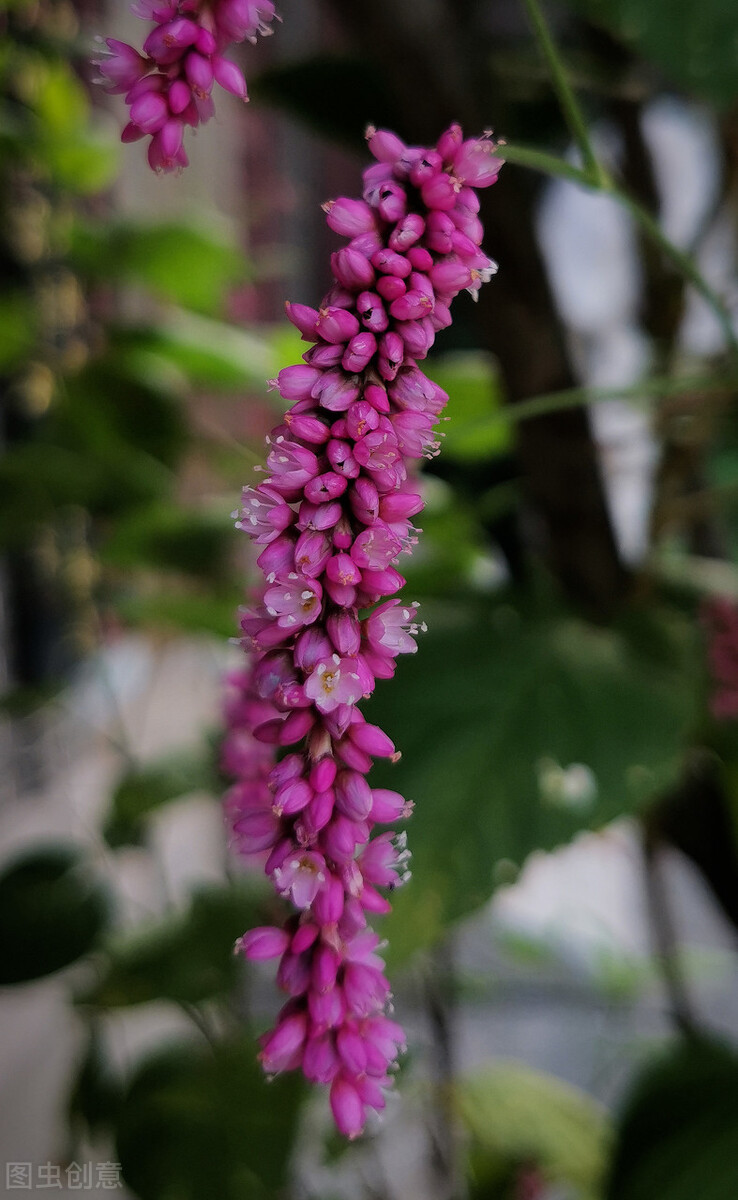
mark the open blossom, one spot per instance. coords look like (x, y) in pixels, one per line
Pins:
(169, 86)
(331, 521)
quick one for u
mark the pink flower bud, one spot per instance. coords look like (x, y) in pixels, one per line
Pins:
(349, 217)
(345, 633)
(392, 202)
(329, 902)
(322, 774)
(477, 164)
(391, 287)
(428, 166)
(372, 312)
(303, 318)
(320, 1062)
(352, 269)
(353, 795)
(150, 112)
(439, 192)
(308, 429)
(347, 1107)
(389, 262)
(372, 740)
(263, 943)
(359, 352)
(385, 146)
(336, 324)
(282, 1049)
(229, 76)
(327, 486)
(325, 355)
(406, 233)
(297, 383)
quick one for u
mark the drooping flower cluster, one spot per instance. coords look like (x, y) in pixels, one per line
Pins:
(169, 86)
(720, 618)
(333, 515)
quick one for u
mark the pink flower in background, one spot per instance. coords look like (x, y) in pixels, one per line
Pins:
(720, 619)
(169, 86)
(331, 521)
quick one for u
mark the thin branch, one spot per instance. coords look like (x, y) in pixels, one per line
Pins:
(665, 941)
(565, 93)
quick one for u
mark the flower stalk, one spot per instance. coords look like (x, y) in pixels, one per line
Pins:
(333, 517)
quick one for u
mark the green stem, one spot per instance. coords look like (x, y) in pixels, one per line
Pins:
(595, 176)
(548, 164)
(659, 387)
(683, 263)
(564, 91)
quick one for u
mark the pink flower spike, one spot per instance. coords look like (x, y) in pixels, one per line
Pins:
(332, 519)
(263, 943)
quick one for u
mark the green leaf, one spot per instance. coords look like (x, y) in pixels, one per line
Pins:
(84, 163)
(209, 353)
(18, 329)
(679, 1129)
(189, 263)
(58, 98)
(186, 958)
(196, 1125)
(182, 610)
(171, 538)
(473, 431)
(490, 715)
(54, 912)
(693, 43)
(517, 1116)
(142, 791)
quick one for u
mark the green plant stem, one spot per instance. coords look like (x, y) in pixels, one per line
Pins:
(551, 164)
(683, 263)
(594, 175)
(565, 93)
(660, 387)
(548, 164)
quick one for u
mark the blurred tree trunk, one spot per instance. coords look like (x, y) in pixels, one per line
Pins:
(518, 321)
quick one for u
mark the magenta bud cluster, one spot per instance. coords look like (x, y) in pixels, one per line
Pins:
(169, 86)
(332, 518)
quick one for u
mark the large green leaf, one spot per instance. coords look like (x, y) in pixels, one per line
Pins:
(54, 911)
(679, 1131)
(693, 43)
(187, 958)
(517, 1117)
(489, 714)
(189, 263)
(209, 353)
(199, 1124)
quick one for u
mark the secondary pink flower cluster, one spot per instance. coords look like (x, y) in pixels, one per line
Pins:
(720, 618)
(169, 86)
(333, 516)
